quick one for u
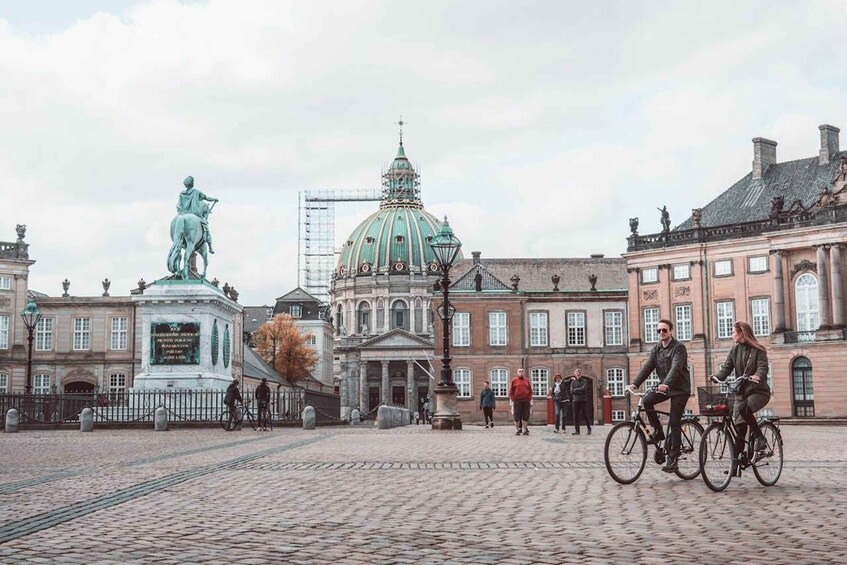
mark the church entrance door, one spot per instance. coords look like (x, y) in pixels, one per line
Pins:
(398, 395)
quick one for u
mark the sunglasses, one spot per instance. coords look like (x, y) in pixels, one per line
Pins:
(663, 331)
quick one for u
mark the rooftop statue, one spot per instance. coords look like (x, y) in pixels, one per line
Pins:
(666, 219)
(190, 230)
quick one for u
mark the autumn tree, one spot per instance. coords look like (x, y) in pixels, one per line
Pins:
(280, 344)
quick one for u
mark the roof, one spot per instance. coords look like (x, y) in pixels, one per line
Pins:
(749, 200)
(255, 316)
(256, 368)
(536, 274)
(297, 295)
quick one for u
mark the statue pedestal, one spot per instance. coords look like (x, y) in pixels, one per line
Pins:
(446, 415)
(191, 334)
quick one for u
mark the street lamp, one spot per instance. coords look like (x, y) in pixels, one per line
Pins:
(31, 316)
(446, 248)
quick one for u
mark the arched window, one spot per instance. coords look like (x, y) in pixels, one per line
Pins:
(803, 387)
(380, 315)
(399, 315)
(364, 318)
(339, 319)
(808, 309)
(418, 316)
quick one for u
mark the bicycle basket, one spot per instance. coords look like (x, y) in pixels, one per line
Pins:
(713, 402)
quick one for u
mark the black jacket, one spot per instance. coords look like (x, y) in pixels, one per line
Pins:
(579, 389)
(746, 360)
(671, 366)
(263, 393)
(232, 394)
(486, 398)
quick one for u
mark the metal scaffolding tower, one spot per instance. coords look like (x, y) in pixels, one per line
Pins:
(316, 235)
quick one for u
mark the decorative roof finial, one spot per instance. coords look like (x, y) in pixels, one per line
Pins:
(401, 123)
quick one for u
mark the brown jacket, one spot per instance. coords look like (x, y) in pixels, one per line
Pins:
(746, 360)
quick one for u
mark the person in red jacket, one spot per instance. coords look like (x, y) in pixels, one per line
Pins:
(520, 393)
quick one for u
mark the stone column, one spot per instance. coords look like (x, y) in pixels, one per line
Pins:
(823, 289)
(410, 386)
(779, 290)
(363, 386)
(385, 393)
(342, 387)
(837, 287)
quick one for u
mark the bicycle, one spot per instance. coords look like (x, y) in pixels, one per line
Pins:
(265, 420)
(717, 457)
(242, 412)
(625, 452)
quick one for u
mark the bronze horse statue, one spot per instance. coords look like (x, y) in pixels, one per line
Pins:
(188, 237)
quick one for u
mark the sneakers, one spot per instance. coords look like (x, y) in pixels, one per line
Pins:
(655, 438)
(671, 465)
(556, 431)
(526, 432)
(517, 433)
(486, 426)
(575, 433)
(589, 431)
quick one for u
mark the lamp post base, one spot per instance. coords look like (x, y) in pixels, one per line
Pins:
(446, 415)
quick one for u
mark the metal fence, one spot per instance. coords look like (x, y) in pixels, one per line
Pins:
(187, 406)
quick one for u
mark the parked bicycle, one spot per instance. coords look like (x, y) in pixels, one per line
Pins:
(625, 452)
(265, 419)
(230, 422)
(717, 458)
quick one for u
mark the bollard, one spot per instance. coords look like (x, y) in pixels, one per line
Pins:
(355, 417)
(12, 420)
(396, 420)
(309, 418)
(161, 419)
(383, 417)
(86, 420)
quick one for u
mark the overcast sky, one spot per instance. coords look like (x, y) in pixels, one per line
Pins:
(539, 127)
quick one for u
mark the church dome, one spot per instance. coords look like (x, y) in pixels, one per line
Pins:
(395, 238)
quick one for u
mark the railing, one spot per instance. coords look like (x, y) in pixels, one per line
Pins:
(134, 407)
(799, 337)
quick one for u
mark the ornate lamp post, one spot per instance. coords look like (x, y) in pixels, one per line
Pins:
(446, 247)
(31, 316)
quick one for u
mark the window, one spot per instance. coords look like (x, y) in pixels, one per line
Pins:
(652, 380)
(757, 264)
(618, 415)
(723, 267)
(496, 328)
(364, 318)
(576, 328)
(462, 378)
(310, 339)
(82, 334)
(761, 316)
(613, 328)
(651, 325)
(726, 317)
(4, 383)
(540, 380)
(400, 315)
(650, 275)
(296, 311)
(5, 283)
(682, 325)
(269, 314)
(419, 316)
(462, 329)
(808, 310)
(380, 315)
(119, 334)
(681, 272)
(41, 384)
(538, 329)
(615, 381)
(117, 388)
(44, 334)
(499, 379)
(4, 332)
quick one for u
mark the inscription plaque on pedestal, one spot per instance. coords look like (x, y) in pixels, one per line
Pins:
(175, 343)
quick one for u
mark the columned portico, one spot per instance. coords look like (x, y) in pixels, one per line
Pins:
(823, 289)
(385, 391)
(411, 401)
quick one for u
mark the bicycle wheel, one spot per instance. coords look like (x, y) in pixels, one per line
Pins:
(689, 450)
(768, 468)
(226, 421)
(268, 420)
(717, 457)
(248, 417)
(625, 452)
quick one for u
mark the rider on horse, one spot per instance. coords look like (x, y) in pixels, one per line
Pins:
(191, 202)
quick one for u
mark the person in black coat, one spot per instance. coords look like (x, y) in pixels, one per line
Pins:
(579, 399)
(560, 393)
(232, 395)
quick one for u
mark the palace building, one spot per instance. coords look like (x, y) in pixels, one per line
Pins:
(767, 250)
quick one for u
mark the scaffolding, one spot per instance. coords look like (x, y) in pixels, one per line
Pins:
(316, 235)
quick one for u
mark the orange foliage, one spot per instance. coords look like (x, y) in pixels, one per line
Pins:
(280, 343)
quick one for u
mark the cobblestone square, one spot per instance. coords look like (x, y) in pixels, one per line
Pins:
(406, 495)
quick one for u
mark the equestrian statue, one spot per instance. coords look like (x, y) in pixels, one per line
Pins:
(190, 230)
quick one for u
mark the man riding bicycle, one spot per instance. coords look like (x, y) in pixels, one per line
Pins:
(232, 395)
(263, 397)
(669, 358)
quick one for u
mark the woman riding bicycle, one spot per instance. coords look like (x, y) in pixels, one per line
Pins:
(747, 357)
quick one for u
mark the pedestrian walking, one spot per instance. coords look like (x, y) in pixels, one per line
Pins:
(559, 393)
(520, 393)
(579, 399)
(487, 403)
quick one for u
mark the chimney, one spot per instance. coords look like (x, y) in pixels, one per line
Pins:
(829, 142)
(476, 255)
(764, 155)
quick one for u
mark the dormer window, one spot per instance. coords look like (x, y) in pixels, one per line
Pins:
(269, 313)
(369, 240)
(296, 311)
(399, 239)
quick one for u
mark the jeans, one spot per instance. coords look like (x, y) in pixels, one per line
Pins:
(579, 409)
(674, 418)
(488, 413)
(560, 409)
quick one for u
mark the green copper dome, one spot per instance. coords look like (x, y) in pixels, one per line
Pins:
(395, 238)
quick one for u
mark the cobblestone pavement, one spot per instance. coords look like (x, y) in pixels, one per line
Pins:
(408, 495)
